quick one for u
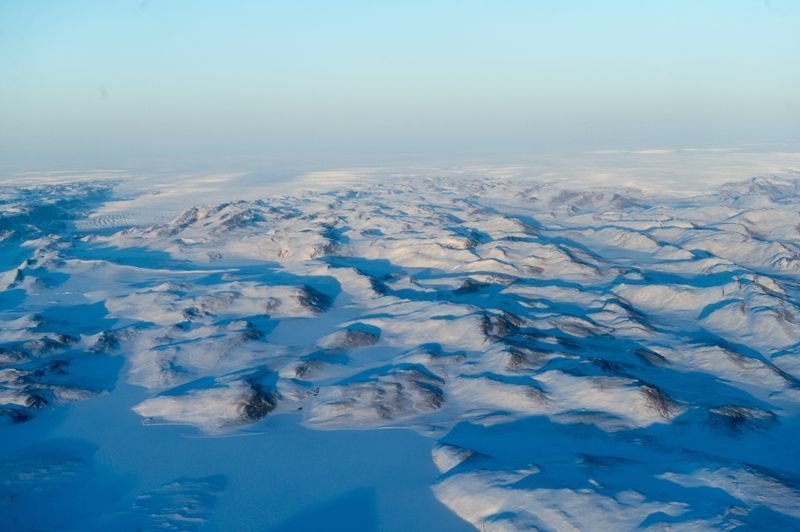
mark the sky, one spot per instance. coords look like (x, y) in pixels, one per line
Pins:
(115, 83)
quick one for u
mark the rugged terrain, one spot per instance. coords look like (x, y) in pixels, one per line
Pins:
(576, 357)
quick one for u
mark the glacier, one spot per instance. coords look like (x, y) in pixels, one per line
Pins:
(433, 352)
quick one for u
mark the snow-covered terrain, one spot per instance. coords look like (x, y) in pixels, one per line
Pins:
(597, 357)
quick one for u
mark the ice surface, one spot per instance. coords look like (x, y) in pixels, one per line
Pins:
(596, 357)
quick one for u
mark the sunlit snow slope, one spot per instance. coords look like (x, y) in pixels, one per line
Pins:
(579, 358)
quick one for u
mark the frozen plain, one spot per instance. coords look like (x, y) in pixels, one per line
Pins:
(430, 352)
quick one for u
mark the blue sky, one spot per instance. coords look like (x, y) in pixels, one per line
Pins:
(118, 82)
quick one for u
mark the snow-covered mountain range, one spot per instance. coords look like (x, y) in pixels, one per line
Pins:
(594, 358)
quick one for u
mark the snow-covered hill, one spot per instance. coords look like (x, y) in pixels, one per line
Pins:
(577, 358)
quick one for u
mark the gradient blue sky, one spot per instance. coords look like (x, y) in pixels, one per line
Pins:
(118, 82)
